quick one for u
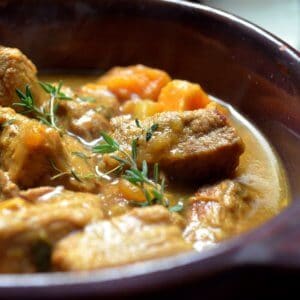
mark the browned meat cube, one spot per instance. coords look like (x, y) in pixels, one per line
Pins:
(17, 71)
(30, 228)
(142, 234)
(214, 212)
(86, 115)
(32, 153)
(8, 189)
(191, 145)
(89, 112)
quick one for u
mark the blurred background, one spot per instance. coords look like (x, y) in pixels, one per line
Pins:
(280, 17)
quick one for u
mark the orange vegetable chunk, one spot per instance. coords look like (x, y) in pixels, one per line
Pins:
(181, 95)
(135, 82)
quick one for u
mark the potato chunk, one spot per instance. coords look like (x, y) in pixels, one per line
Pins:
(135, 82)
(142, 234)
(141, 109)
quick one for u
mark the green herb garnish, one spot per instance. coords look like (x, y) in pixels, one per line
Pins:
(28, 104)
(55, 95)
(7, 123)
(87, 99)
(41, 252)
(54, 91)
(61, 173)
(150, 132)
(137, 123)
(153, 189)
(81, 155)
(46, 116)
(109, 146)
(176, 208)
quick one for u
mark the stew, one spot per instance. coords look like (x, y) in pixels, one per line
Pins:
(130, 166)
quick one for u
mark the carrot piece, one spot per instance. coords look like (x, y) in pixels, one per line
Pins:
(35, 137)
(130, 191)
(135, 81)
(180, 95)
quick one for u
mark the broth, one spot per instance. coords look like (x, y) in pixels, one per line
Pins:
(131, 166)
(260, 167)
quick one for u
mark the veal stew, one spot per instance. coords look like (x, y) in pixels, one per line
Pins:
(132, 166)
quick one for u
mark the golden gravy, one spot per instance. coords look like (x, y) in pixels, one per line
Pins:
(260, 167)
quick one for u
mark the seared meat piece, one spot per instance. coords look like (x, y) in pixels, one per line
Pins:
(27, 146)
(17, 71)
(85, 116)
(29, 229)
(8, 189)
(214, 211)
(191, 145)
(144, 233)
(32, 153)
(89, 112)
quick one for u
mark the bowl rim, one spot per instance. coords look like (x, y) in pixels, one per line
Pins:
(209, 261)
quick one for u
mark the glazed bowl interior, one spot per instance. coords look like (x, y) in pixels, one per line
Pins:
(233, 60)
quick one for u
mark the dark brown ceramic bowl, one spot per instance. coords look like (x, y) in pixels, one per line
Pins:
(232, 59)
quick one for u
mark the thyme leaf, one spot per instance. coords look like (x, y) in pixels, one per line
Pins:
(176, 208)
(60, 173)
(81, 155)
(54, 90)
(26, 101)
(137, 123)
(7, 123)
(87, 99)
(134, 149)
(150, 132)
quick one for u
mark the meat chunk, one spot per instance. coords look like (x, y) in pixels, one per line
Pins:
(191, 145)
(8, 189)
(214, 212)
(142, 234)
(89, 112)
(135, 82)
(33, 154)
(17, 71)
(85, 116)
(29, 229)
(27, 146)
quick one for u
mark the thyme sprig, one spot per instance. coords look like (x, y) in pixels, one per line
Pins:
(86, 99)
(29, 106)
(81, 155)
(55, 95)
(71, 173)
(46, 116)
(149, 131)
(152, 188)
(7, 123)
